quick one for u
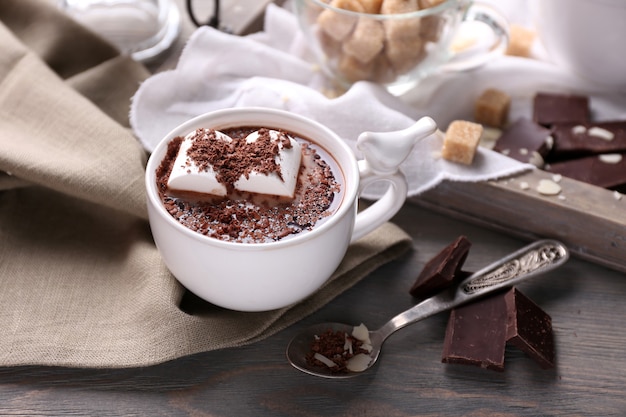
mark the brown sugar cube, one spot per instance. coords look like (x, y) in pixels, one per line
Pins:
(492, 108)
(404, 46)
(352, 5)
(378, 69)
(401, 29)
(366, 41)
(371, 6)
(339, 25)
(425, 4)
(404, 55)
(461, 141)
(398, 6)
(431, 28)
(330, 46)
(521, 40)
(354, 70)
(382, 71)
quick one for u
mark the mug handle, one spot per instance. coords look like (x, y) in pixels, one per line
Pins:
(383, 153)
(473, 57)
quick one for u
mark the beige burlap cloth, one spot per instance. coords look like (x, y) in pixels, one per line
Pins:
(81, 282)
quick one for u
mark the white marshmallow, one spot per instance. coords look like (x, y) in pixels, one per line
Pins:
(288, 159)
(186, 176)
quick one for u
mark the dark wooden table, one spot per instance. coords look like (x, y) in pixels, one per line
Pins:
(586, 302)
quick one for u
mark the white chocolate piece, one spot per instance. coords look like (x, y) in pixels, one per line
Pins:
(601, 133)
(361, 333)
(324, 360)
(610, 158)
(536, 159)
(186, 176)
(358, 363)
(548, 187)
(288, 160)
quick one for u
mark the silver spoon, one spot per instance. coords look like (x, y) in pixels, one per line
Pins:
(534, 259)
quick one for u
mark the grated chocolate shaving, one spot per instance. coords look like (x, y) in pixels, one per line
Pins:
(231, 160)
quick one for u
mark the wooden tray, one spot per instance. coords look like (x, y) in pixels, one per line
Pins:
(590, 220)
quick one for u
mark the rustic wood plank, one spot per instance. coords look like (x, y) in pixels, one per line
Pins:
(589, 219)
(584, 300)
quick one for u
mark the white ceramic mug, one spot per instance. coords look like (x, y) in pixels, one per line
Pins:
(266, 276)
(587, 37)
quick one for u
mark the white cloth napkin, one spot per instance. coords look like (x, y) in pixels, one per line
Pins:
(274, 69)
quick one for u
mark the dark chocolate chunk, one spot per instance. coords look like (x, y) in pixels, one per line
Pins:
(549, 108)
(529, 328)
(476, 334)
(525, 141)
(441, 270)
(581, 139)
(604, 170)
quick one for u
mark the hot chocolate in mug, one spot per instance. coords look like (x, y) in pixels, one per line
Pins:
(269, 275)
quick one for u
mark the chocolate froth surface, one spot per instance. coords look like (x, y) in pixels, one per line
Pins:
(248, 217)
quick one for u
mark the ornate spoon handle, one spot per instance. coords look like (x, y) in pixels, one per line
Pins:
(531, 260)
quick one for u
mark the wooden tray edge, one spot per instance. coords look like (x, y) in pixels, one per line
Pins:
(590, 220)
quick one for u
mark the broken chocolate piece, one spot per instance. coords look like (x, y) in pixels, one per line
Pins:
(529, 328)
(604, 170)
(581, 139)
(476, 334)
(525, 141)
(442, 270)
(549, 108)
